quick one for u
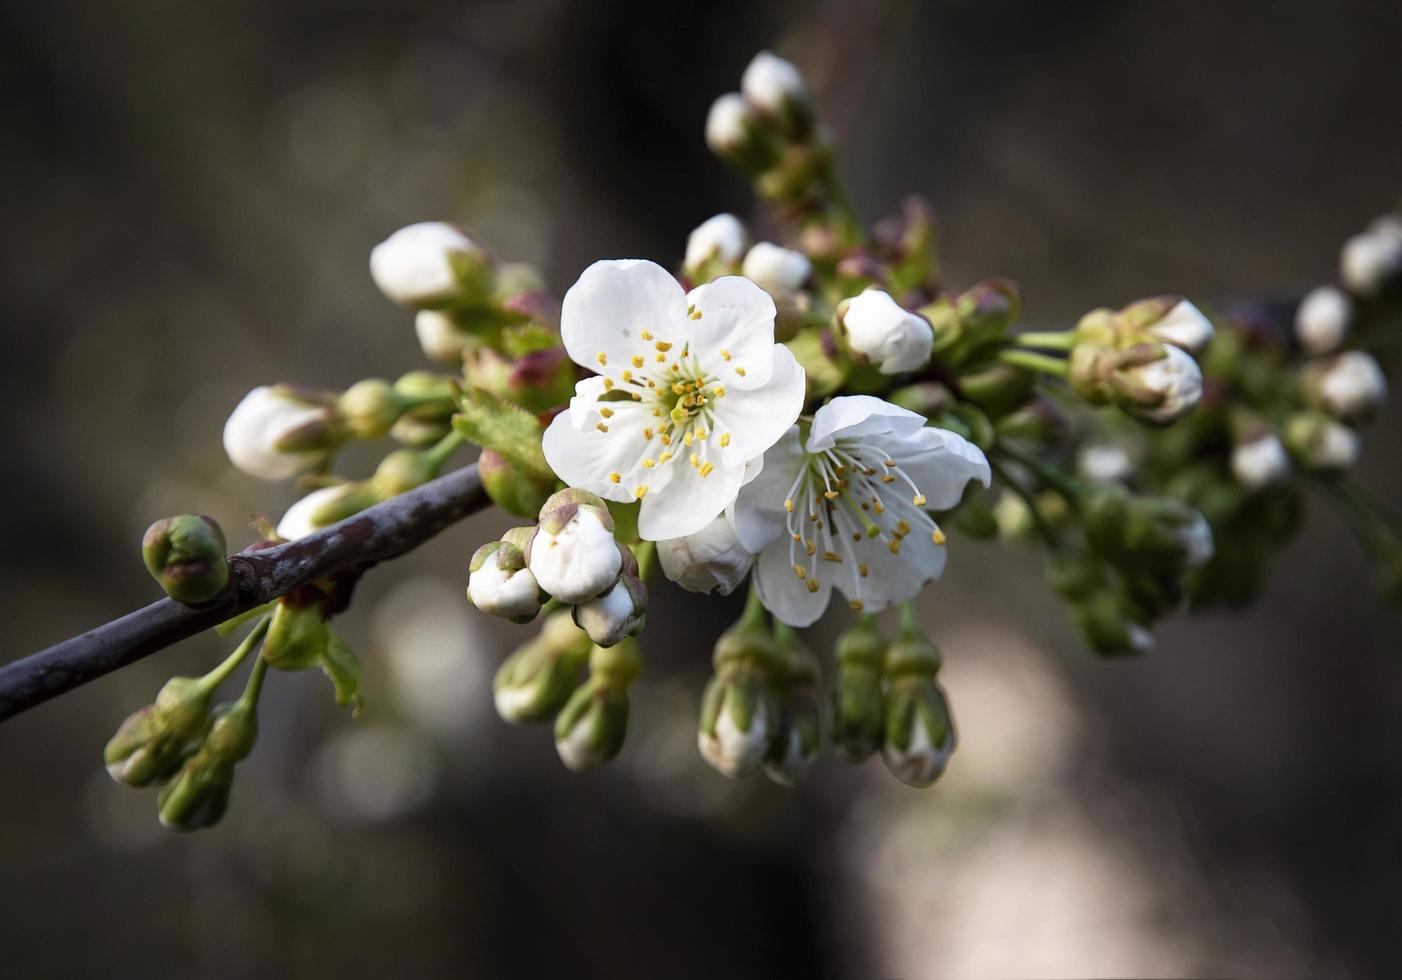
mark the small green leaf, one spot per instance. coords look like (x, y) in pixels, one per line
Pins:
(342, 666)
(495, 423)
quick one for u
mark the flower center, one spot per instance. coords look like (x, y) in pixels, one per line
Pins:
(841, 496)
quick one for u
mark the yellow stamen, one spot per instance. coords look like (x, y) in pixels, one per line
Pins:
(602, 358)
(695, 314)
(788, 505)
(647, 464)
(740, 371)
(812, 585)
(646, 335)
(856, 605)
(725, 439)
(637, 361)
(615, 477)
(800, 571)
(601, 427)
(937, 536)
(663, 345)
(606, 412)
(918, 500)
(862, 569)
(640, 491)
(608, 384)
(707, 468)
(719, 391)
(724, 354)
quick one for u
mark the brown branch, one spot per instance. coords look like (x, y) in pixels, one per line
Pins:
(377, 534)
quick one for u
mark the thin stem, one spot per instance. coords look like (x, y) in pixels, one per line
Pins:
(1049, 475)
(1047, 339)
(441, 451)
(646, 553)
(221, 673)
(1033, 361)
(254, 687)
(754, 609)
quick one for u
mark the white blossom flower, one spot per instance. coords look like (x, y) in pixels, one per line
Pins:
(300, 519)
(1174, 382)
(690, 388)
(275, 434)
(1323, 319)
(1352, 385)
(1185, 326)
(732, 751)
(619, 613)
(1370, 261)
(721, 238)
(500, 584)
(771, 83)
(891, 337)
(1260, 462)
(844, 504)
(1104, 463)
(440, 338)
(730, 125)
(426, 264)
(573, 554)
(712, 559)
(775, 269)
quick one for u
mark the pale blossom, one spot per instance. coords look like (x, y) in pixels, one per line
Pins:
(775, 269)
(573, 554)
(427, 264)
(1352, 385)
(690, 388)
(844, 505)
(710, 560)
(1323, 319)
(1173, 384)
(770, 83)
(619, 613)
(721, 238)
(499, 583)
(1185, 326)
(730, 125)
(1260, 462)
(440, 337)
(301, 519)
(276, 433)
(1370, 262)
(889, 336)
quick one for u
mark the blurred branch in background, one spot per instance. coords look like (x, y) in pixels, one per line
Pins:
(376, 534)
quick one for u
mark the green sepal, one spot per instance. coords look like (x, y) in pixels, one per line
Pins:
(495, 423)
(342, 667)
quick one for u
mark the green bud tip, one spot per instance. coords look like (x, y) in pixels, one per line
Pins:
(187, 555)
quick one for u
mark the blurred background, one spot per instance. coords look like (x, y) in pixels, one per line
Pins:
(190, 194)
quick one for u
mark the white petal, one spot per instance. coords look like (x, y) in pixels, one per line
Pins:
(687, 501)
(939, 462)
(784, 593)
(758, 511)
(899, 577)
(588, 458)
(756, 419)
(612, 303)
(853, 416)
(297, 520)
(737, 317)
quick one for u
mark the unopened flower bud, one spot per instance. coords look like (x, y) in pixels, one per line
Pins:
(735, 133)
(431, 264)
(187, 556)
(1371, 263)
(775, 87)
(1260, 462)
(858, 712)
(297, 635)
(798, 736)
(151, 744)
(1322, 444)
(440, 337)
(1168, 319)
(419, 433)
(1106, 626)
(590, 729)
(1104, 463)
(278, 431)
(710, 560)
(919, 732)
(887, 335)
(715, 247)
(1350, 386)
(199, 794)
(618, 614)
(369, 408)
(399, 472)
(573, 554)
(738, 711)
(500, 584)
(519, 492)
(1148, 532)
(318, 509)
(535, 682)
(1323, 320)
(777, 270)
(1157, 384)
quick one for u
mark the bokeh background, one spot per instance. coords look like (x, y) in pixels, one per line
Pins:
(190, 193)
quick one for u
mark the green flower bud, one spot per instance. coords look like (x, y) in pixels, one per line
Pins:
(369, 408)
(798, 736)
(996, 388)
(152, 742)
(1153, 383)
(535, 682)
(400, 472)
(1107, 628)
(516, 491)
(297, 636)
(927, 398)
(1155, 533)
(1040, 420)
(738, 718)
(417, 433)
(187, 556)
(919, 736)
(199, 794)
(591, 728)
(857, 698)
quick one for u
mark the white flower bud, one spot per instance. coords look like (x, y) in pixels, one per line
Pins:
(300, 519)
(775, 269)
(1323, 319)
(1196, 536)
(1260, 462)
(619, 613)
(274, 435)
(426, 264)
(1184, 326)
(709, 560)
(733, 752)
(1320, 443)
(1370, 262)
(499, 583)
(720, 239)
(885, 333)
(1175, 381)
(440, 337)
(772, 84)
(730, 125)
(574, 556)
(1353, 385)
(921, 762)
(1104, 463)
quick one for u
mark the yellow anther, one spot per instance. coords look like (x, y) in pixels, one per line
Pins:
(888, 478)
(857, 605)
(627, 375)
(740, 371)
(903, 526)
(601, 427)
(664, 458)
(640, 491)
(832, 556)
(707, 468)
(797, 537)
(657, 413)
(788, 505)
(602, 358)
(649, 433)
(606, 412)
(830, 494)
(812, 548)
(646, 335)
(608, 384)
(862, 569)
(812, 585)
(800, 571)
(615, 477)
(918, 500)
(895, 546)
(878, 506)
(678, 388)
(647, 464)
(666, 439)
(718, 391)
(689, 438)
(663, 345)
(937, 536)
(696, 461)
(695, 314)
(637, 360)
(662, 359)
(725, 438)
(724, 354)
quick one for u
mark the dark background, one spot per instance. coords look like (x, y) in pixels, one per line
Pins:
(190, 193)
